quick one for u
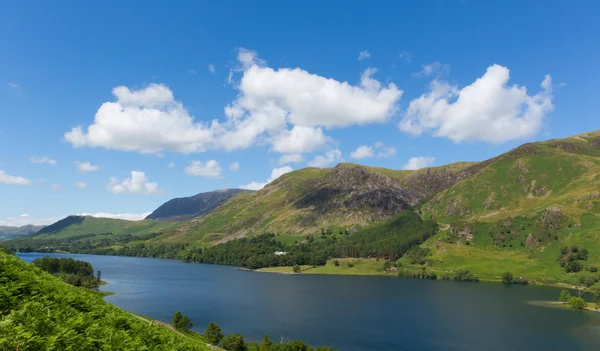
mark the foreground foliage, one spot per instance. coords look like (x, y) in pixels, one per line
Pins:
(41, 312)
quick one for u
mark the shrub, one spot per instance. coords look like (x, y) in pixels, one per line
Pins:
(350, 264)
(577, 302)
(564, 297)
(213, 334)
(464, 275)
(234, 342)
(336, 263)
(296, 269)
(507, 278)
(592, 269)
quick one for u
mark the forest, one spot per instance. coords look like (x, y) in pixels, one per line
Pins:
(389, 239)
(74, 272)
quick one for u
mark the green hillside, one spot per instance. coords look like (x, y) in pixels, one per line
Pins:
(90, 227)
(305, 201)
(41, 312)
(517, 213)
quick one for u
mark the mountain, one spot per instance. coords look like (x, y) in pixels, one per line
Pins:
(520, 211)
(304, 201)
(185, 208)
(88, 227)
(8, 232)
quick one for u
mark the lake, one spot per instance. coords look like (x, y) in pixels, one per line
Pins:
(351, 313)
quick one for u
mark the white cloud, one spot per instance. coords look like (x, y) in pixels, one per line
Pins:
(290, 158)
(363, 55)
(125, 216)
(330, 157)
(171, 165)
(487, 110)
(192, 71)
(42, 159)
(210, 169)
(85, 167)
(9, 179)
(57, 187)
(136, 184)
(435, 68)
(211, 68)
(419, 162)
(235, 166)
(362, 151)
(271, 105)
(299, 139)
(275, 173)
(378, 149)
(25, 220)
(80, 185)
(24, 215)
(293, 95)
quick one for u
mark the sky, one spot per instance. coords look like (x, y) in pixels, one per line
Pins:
(112, 108)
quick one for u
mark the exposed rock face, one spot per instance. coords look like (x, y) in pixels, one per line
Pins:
(595, 142)
(185, 208)
(350, 190)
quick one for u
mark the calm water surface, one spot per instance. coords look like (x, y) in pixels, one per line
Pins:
(348, 312)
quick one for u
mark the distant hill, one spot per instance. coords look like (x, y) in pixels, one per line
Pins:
(74, 226)
(7, 232)
(185, 208)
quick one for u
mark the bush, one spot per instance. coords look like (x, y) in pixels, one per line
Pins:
(564, 297)
(234, 342)
(577, 302)
(507, 278)
(520, 280)
(181, 322)
(588, 280)
(592, 269)
(213, 334)
(297, 269)
(336, 263)
(464, 275)
(350, 264)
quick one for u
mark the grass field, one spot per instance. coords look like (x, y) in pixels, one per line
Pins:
(347, 266)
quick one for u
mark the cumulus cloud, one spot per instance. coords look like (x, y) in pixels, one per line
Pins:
(9, 179)
(363, 55)
(235, 166)
(209, 169)
(433, 69)
(275, 173)
(486, 110)
(211, 68)
(85, 167)
(42, 159)
(330, 157)
(57, 187)
(378, 149)
(290, 158)
(362, 151)
(80, 185)
(406, 56)
(171, 165)
(138, 183)
(299, 139)
(419, 162)
(24, 215)
(125, 216)
(276, 106)
(25, 220)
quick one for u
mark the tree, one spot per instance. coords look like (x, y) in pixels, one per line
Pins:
(296, 269)
(387, 265)
(507, 278)
(234, 342)
(266, 343)
(564, 297)
(213, 334)
(181, 322)
(577, 302)
(99, 276)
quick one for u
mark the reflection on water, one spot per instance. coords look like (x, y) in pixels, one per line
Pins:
(347, 312)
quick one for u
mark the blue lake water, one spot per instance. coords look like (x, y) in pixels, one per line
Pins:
(352, 313)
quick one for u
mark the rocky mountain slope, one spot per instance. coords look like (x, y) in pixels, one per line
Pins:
(185, 208)
(304, 201)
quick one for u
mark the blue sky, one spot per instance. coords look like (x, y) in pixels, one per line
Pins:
(115, 107)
